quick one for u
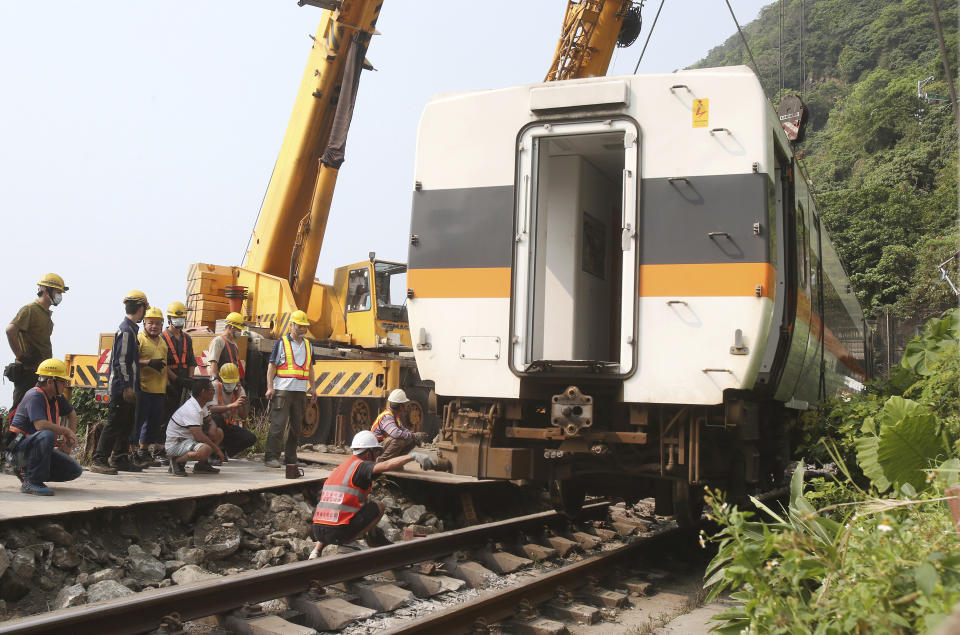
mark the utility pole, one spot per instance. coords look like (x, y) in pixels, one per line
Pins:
(946, 64)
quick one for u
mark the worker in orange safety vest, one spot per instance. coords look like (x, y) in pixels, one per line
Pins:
(289, 383)
(344, 513)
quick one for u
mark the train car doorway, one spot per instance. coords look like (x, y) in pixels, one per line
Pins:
(575, 268)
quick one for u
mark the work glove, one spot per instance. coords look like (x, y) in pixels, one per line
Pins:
(421, 438)
(156, 364)
(129, 395)
(424, 459)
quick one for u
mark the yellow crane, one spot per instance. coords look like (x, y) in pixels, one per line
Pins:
(358, 324)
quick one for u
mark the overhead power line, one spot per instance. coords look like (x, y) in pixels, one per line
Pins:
(647, 41)
(744, 39)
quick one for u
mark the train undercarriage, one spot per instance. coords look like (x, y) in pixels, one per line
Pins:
(581, 441)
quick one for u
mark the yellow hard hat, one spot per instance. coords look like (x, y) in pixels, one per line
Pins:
(299, 317)
(136, 295)
(235, 320)
(53, 367)
(53, 281)
(176, 309)
(229, 373)
(153, 312)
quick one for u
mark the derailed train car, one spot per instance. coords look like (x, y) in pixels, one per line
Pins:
(621, 286)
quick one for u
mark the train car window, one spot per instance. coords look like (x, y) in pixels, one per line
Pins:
(803, 247)
(358, 290)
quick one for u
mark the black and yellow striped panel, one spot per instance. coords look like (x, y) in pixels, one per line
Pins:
(86, 376)
(355, 380)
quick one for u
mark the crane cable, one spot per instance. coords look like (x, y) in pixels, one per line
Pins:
(647, 41)
(744, 39)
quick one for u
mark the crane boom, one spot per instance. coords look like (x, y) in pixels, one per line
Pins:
(591, 30)
(289, 232)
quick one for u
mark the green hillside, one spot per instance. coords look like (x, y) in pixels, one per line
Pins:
(882, 162)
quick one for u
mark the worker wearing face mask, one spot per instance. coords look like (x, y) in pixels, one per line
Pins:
(229, 409)
(181, 363)
(29, 335)
(224, 349)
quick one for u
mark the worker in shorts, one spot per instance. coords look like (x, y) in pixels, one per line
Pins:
(229, 409)
(343, 513)
(191, 434)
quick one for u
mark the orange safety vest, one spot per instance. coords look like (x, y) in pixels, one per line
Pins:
(340, 500)
(228, 416)
(376, 424)
(233, 359)
(289, 368)
(56, 412)
(178, 362)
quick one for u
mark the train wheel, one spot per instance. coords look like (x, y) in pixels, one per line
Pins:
(687, 504)
(317, 421)
(359, 413)
(567, 497)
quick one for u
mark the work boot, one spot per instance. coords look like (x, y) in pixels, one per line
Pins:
(202, 467)
(144, 459)
(272, 463)
(102, 468)
(123, 464)
(176, 468)
(37, 489)
(160, 454)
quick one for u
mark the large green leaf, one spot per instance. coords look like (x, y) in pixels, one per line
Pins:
(937, 340)
(896, 409)
(867, 459)
(908, 448)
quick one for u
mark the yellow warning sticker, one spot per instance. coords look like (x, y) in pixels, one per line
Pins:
(701, 113)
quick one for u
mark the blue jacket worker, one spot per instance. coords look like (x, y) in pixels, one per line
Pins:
(35, 428)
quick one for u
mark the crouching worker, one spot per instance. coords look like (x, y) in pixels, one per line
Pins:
(388, 427)
(344, 513)
(229, 408)
(34, 429)
(191, 433)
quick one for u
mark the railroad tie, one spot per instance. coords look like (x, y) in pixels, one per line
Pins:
(500, 561)
(425, 586)
(328, 614)
(538, 553)
(473, 573)
(266, 625)
(381, 596)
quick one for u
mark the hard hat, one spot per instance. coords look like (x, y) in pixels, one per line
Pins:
(364, 440)
(176, 309)
(229, 373)
(235, 320)
(153, 312)
(299, 317)
(53, 281)
(136, 295)
(398, 396)
(53, 367)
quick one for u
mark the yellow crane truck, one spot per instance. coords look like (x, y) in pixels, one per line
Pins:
(362, 347)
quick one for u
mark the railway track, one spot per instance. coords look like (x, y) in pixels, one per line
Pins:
(320, 592)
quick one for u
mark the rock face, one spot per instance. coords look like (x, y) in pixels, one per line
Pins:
(228, 512)
(105, 574)
(222, 542)
(191, 573)
(144, 567)
(107, 590)
(74, 595)
(56, 534)
(413, 514)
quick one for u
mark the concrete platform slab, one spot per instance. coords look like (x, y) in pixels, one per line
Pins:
(102, 491)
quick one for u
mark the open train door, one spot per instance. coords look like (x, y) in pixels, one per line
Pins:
(575, 267)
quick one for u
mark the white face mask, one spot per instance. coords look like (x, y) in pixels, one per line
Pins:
(56, 299)
(178, 322)
(229, 387)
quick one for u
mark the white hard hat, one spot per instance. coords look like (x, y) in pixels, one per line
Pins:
(398, 396)
(364, 440)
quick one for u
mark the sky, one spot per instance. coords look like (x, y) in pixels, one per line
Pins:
(137, 138)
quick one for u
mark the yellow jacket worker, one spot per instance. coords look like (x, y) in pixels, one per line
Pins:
(153, 388)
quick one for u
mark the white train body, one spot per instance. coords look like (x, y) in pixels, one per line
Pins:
(648, 240)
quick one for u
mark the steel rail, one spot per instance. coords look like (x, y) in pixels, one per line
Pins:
(144, 611)
(499, 605)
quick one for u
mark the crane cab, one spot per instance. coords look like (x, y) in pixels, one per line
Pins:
(373, 297)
